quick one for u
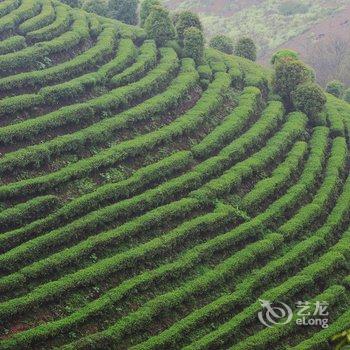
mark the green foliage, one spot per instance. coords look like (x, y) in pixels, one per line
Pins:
(146, 8)
(205, 72)
(175, 45)
(268, 187)
(194, 44)
(105, 130)
(145, 61)
(185, 20)
(107, 102)
(346, 96)
(336, 88)
(96, 6)
(116, 170)
(159, 26)
(72, 3)
(124, 10)
(249, 103)
(310, 99)
(289, 73)
(342, 340)
(23, 213)
(293, 7)
(46, 17)
(284, 54)
(12, 44)
(222, 43)
(246, 48)
(56, 28)
(335, 120)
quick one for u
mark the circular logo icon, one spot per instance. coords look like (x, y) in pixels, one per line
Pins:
(274, 313)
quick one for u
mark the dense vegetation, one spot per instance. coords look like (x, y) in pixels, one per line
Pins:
(152, 191)
(235, 18)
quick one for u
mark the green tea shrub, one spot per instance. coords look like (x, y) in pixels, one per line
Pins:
(72, 3)
(146, 8)
(282, 54)
(159, 26)
(289, 73)
(222, 43)
(124, 10)
(194, 44)
(310, 99)
(246, 48)
(336, 88)
(346, 95)
(95, 6)
(186, 20)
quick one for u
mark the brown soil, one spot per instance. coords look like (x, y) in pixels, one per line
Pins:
(337, 25)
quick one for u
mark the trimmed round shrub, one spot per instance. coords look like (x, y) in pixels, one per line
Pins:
(146, 8)
(185, 20)
(222, 43)
(124, 10)
(159, 26)
(289, 73)
(282, 54)
(95, 6)
(194, 44)
(346, 95)
(246, 48)
(310, 99)
(336, 88)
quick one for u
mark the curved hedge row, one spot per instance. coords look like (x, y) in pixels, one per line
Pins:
(43, 19)
(111, 101)
(60, 25)
(114, 333)
(7, 6)
(103, 131)
(30, 56)
(12, 44)
(26, 10)
(278, 179)
(146, 60)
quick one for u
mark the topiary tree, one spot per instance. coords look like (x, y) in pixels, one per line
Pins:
(222, 43)
(194, 44)
(146, 8)
(124, 10)
(336, 88)
(159, 26)
(95, 6)
(185, 20)
(346, 95)
(310, 99)
(282, 54)
(246, 48)
(289, 73)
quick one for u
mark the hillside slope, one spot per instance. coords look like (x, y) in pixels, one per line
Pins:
(144, 209)
(318, 30)
(237, 18)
